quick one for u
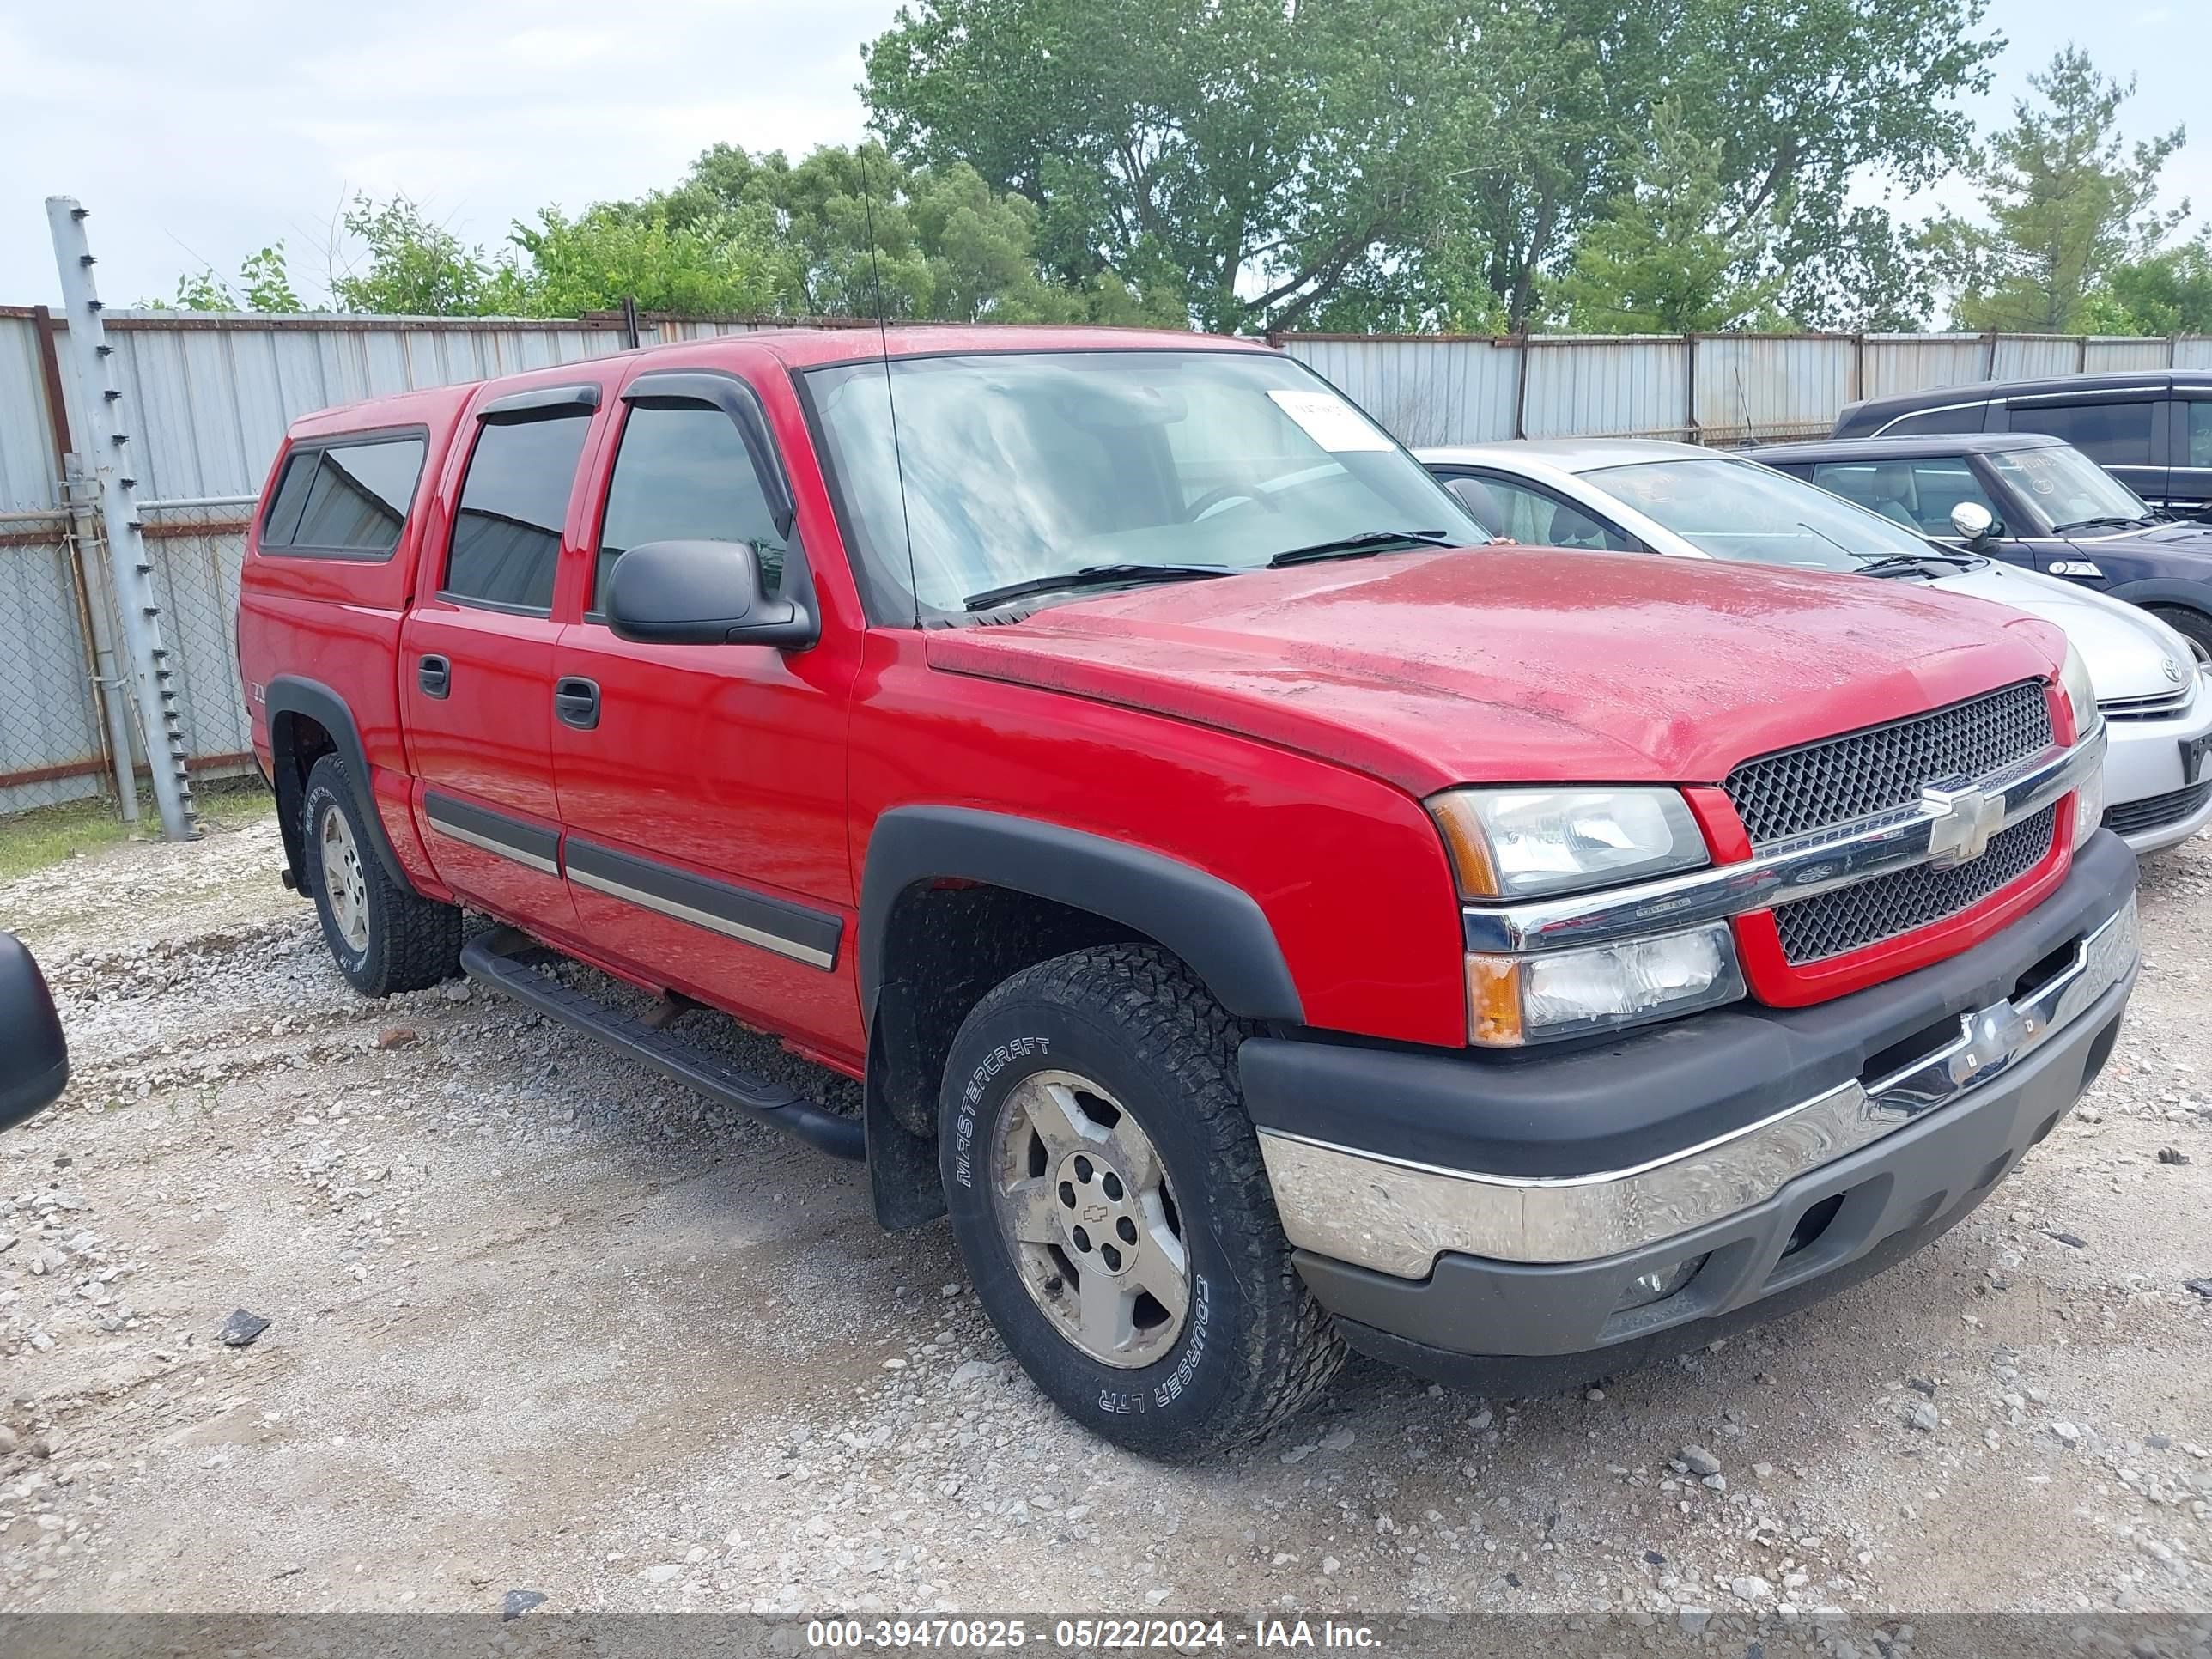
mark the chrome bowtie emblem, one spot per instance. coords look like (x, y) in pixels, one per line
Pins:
(1993, 1037)
(2172, 670)
(1963, 820)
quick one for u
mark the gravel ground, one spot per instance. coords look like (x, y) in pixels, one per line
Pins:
(540, 1322)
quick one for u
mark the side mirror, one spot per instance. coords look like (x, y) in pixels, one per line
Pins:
(1975, 523)
(696, 593)
(33, 1059)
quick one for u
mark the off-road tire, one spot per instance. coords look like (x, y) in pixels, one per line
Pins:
(1254, 1346)
(413, 942)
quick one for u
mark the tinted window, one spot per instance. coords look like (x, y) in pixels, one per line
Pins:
(2116, 433)
(1968, 419)
(2200, 432)
(1919, 494)
(506, 534)
(345, 497)
(682, 474)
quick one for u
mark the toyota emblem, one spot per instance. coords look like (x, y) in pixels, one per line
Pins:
(2173, 670)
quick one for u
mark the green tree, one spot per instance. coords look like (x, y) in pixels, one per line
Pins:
(263, 278)
(417, 267)
(1670, 257)
(1252, 154)
(724, 264)
(2069, 202)
(2169, 292)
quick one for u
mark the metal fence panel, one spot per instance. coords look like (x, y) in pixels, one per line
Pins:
(198, 549)
(1758, 386)
(1590, 385)
(1426, 392)
(29, 478)
(50, 735)
(2109, 355)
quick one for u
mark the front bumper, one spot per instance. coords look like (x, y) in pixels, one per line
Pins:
(1475, 1232)
(2149, 801)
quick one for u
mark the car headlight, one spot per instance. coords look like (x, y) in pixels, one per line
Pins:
(1522, 843)
(1512, 1000)
(2073, 680)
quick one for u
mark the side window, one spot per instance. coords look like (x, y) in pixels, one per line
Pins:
(683, 473)
(1543, 521)
(507, 530)
(2199, 413)
(2117, 434)
(351, 500)
(1917, 495)
(1967, 419)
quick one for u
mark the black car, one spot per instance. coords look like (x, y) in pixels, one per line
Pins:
(2152, 430)
(33, 1060)
(2049, 508)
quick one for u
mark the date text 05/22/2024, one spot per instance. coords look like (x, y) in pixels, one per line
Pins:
(1087, 1635)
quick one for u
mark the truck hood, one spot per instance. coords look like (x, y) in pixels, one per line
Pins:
(1519, 664)
(2129, 653)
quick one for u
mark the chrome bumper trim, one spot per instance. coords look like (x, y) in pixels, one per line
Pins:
(1945, 826)
(1397, 1217)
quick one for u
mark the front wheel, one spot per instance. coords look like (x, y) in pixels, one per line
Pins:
(1107, 1194)
(2192, 625)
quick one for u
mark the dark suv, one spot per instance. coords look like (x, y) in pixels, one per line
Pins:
(2152, 430)
(2050, 509)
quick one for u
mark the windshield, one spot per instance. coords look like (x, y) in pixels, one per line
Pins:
(2064, 489)
(1021, 465)
(1740, 510)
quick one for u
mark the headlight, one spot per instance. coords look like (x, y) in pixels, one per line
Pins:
(1513, 1000)
(2088, 805)
(2073, 680)
(1521, 843)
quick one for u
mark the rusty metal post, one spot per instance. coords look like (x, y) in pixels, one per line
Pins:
(108, 458)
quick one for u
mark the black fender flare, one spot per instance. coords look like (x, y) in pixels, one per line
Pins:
(1218, 929)
(2165, 590)
(293, 694)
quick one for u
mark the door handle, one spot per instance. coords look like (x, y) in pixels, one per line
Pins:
(576, 701)
(436, 676)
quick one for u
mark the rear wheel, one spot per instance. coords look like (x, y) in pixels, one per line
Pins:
(384, 937)
(1107, 1194)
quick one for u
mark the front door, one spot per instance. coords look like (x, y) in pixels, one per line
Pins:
(1918, 494)
(476, 665)
(703, 786)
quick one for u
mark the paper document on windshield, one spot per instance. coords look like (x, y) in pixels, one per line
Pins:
(1329, 421)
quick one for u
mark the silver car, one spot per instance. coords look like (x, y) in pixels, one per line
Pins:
(1626, 494)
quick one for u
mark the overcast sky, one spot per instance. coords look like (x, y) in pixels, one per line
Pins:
(197, 133)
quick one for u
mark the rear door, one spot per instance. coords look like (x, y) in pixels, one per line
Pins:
(703, 786)
(477, 658)
(2125, 432)
(2189, 486)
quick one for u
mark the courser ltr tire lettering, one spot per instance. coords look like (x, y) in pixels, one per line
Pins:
(413, 942)
(1254, 1346)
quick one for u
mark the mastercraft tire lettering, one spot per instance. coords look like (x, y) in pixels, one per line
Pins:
(1107, 1192)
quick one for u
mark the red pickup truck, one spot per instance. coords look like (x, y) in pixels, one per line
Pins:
(1265, 916)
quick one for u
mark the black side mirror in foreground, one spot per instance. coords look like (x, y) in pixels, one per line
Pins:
(699, 592)
(33, 1059)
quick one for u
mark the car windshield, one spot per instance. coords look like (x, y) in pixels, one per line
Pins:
(2064, 489)
(1739, 510)
(1008, 468)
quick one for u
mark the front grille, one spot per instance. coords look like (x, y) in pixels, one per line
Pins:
(2164, 706)
(1850, 918)
(1840, 778)
(2155, 811)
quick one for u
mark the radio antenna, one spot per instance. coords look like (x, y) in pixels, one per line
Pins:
(890, 390)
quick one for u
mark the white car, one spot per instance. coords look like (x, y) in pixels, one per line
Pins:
(1632, 495)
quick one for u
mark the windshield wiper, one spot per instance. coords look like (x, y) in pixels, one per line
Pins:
(1095, 576)
(1360, 543)
(1914, 564)
(2109, 521)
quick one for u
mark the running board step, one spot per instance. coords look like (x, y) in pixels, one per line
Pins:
(496, 958)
